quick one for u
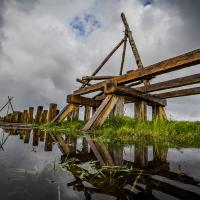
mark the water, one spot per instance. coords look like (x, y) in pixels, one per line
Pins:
(30, 169)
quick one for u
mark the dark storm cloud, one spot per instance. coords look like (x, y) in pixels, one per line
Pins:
(189, 12)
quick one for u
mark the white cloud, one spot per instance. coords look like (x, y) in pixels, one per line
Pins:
(41, 55)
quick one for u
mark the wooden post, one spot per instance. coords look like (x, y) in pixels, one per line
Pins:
(43, 118)
(75, 114)
(38, 114)
(25, 116)
(119, 107)
(30, 114)
(140, 111)
(158, 112)
(141, 156)
(87, 113)
(52, 111)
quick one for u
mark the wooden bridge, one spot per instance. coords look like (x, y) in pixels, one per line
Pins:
(115, 91)
(133, 86)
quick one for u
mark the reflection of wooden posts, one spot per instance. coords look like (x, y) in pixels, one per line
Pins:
(48, 142)
(85, 145)
(43, 118)
(21, 134)
(27, 135)
(38, 114)
(160, 153)
(52, 111)
(87, 113)
(42, 134)
(141, 156)
(140, 111)
(158, 112)
(35, 137)
(117, 154)
(30, 114)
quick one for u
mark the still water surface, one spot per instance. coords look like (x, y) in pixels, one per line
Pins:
(30, 169)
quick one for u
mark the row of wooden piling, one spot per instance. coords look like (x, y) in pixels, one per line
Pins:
(27, 116)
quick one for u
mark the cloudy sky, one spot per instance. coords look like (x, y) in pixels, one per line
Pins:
(46, 44)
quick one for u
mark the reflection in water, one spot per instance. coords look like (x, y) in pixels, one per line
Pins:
(133, 172)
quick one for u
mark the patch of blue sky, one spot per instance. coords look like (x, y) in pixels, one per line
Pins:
(147, 2)
(85, 25)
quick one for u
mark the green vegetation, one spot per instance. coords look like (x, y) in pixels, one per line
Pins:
(127, 130)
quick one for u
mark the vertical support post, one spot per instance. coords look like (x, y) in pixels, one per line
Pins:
(75, 115)
(43, 118)
(38, 114)
(87, 113)
(141, 156)
(30, 114)
(25, 116)
(158, 112)
(52, 111)
(119, 107)
(140, 111)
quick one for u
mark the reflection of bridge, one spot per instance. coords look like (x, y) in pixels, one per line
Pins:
(156, 173)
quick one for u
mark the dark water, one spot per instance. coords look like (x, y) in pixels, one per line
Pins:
(30, 169)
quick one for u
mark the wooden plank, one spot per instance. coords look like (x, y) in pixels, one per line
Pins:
(176, 63)
(102, 112)
(96, 77)
(66, 111)
(179, 93)
(83, 101)
(178, 82)
(119, 89)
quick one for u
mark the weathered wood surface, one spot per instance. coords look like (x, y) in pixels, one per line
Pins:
(38, 114)
(43, 117)
(158, 112)
(120, 89)
(179, 93)
(52, 111)
(176, 63)
(123, 56)
(30, 114)
(140, 110)
(102, 112)
(83, 100)
(178, 82)
(87, 113)
(132, 42)
(97, 77)
(65, 112)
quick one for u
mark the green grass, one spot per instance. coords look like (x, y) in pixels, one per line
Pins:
(127, 130)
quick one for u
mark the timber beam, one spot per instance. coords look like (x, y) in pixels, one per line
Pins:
(97, 77)
(83, 101)
(172, 64)
(113, 88)
(178, 82)
(179, 93)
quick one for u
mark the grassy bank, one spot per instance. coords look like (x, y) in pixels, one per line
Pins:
(127, 130)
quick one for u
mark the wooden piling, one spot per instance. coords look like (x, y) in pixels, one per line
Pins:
(30, 114)
(87, 113)
(25, 116)
(158, 112)
(119, 107)
(52, 111)
(140, 111)
(38, 114)
(43, 118)
(75, 115)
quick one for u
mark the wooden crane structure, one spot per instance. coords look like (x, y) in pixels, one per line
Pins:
(115, 91)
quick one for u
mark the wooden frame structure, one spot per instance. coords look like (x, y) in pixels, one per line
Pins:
(115, 91)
